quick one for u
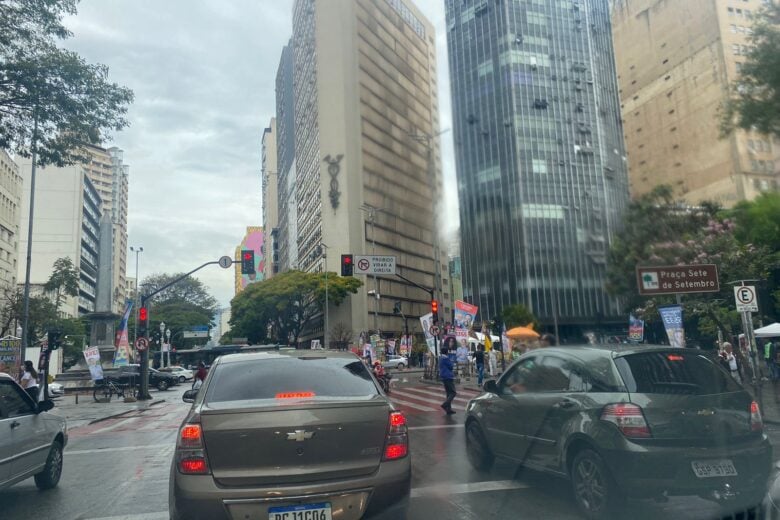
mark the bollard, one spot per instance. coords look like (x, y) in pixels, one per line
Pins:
(77, 398)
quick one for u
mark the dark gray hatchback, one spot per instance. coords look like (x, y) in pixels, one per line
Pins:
(624, 421)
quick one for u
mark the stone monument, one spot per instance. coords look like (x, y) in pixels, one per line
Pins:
(103, 320)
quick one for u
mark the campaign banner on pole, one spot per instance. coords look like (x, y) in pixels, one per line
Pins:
(10, 355)
(465, 313)
(636, 329)
(673, 323)
(92, 357)
(122, 352)
(391, 347)
(427, 322)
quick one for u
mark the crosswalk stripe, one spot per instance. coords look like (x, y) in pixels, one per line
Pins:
(411, 405)
(433, 393)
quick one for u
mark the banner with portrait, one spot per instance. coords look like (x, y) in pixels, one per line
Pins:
(465, 314)
(673, 323)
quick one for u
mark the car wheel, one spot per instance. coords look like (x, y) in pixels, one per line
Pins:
(401, 366)
(162, 385)
(477, 450)
(594, 488)
(182, 379)
(50, 476)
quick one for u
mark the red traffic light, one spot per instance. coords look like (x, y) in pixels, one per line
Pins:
(434, 306)
(347, 259)
(143, 314)
(247, 255)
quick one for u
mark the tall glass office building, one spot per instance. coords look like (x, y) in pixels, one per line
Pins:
(541, 167)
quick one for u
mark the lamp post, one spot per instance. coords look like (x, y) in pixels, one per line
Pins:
(137, 251)
(162, 344)
(168, 348)
(324, 256)
(26, 312)
(371, 213)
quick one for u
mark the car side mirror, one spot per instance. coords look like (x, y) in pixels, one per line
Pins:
(45, 406)
(490, 386)
(189, 396)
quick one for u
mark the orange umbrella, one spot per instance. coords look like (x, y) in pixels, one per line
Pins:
(522, 333)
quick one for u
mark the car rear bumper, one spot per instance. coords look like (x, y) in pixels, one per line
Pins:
(199, 496)
(649, 470)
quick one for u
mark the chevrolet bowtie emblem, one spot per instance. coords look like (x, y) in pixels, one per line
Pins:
(299, 435)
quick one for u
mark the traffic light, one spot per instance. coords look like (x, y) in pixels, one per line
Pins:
(247, 261)
(435, 310)
(54, 339)
(143, 322)
(347, 267)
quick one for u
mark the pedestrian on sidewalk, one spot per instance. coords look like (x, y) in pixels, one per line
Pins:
(731, 362)
(447, 375)
(492, 362)
(29, 380)
(479, 358)
(770, 357)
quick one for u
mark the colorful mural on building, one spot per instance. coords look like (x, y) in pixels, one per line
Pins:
(254, 240)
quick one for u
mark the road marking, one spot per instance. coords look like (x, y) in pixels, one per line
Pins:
(435, 427)
(116, 425)
(120, 448)
(421, 492)
(470, 487)
(440, 395)
(411, 405)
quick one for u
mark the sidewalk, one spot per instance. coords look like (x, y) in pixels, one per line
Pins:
(87, 411)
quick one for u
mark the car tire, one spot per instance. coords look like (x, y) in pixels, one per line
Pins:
(400, 366)
(477, 449)
(162, 386)
(52, 471)
(182, 379)
(595, 491)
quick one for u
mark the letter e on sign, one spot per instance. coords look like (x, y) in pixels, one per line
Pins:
(745, 298)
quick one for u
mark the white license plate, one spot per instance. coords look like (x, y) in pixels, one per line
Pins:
(714, 468)
(300, 512)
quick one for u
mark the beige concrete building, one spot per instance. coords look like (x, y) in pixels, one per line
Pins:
(676, 61)
(364, 87)
(10, 219)
(270, 176)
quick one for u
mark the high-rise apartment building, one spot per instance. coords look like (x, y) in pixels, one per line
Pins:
(284, 237)
(539, 153)
(367, 162)
(10, 219)
(67, 223)
(676, 63)
(270, 177)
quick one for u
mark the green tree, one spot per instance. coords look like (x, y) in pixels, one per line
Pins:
(64, 280)
(755, 99)
(518, 316)
(73, 101)
(758, 221)
(286, 304)
(74, 337)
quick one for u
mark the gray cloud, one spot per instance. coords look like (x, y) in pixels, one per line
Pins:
(204, 77)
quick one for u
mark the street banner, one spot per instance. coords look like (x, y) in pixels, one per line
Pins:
(427, 322)
(10, 355)
(636, 329)
(673, 322)
(488, 342)
(92, 357)
(368, 352)
(391, 347)
(505, 340)
(315, 344)
(405, 344)
(462, 337)
(122, 352)
(465, 313)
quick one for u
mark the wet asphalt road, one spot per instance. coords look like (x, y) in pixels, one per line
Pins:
(119, 469)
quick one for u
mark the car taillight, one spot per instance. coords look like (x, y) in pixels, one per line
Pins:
(628, 418)
(756, 423)
(397, 443)
(190, 451)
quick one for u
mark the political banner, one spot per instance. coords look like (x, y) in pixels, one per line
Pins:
(673, 323)
(10, 355)
(122, 352)
(636, 329)
(406, 345)
(427, 322)
(391, 347)
(92, 357)
(465, 313)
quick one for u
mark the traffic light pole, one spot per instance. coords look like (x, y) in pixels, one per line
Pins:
(431, 292)
(144, 393)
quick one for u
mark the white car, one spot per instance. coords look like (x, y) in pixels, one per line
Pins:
(182, 373)
(56, 389)
(31, 440)
(399, 362)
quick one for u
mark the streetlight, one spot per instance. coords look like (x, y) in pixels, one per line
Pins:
(137, 251)
(168, 347)
(376, 296)
(162, 344)
(371, 213)
(324, 256)
(26, 312)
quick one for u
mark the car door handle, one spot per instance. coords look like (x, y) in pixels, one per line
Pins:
(565, 405)
(15, 424)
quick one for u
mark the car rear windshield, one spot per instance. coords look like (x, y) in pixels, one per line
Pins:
(674, 373)
(314, 377)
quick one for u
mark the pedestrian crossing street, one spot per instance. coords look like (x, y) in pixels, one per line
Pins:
(428, 398)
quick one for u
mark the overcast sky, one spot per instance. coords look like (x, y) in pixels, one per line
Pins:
(203, 73)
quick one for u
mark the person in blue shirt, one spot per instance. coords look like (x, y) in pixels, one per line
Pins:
(448, 379)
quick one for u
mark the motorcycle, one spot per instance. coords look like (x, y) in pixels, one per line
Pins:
(384, 381)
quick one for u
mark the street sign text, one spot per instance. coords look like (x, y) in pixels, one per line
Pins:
(677, 279)
(374, 264)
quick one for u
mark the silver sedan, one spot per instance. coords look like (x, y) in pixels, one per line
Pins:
(399, 362)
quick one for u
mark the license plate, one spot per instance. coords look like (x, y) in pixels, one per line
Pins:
(714, 468)
(301, 512)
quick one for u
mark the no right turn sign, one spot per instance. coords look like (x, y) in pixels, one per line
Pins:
(745, 298)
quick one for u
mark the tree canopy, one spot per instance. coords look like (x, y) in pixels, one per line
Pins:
(72, 101)
(286, 304)
(518, 316)
(755, 99)
(63, 281)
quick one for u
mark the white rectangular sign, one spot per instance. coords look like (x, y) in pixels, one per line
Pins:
(745, 298)
(374, 264)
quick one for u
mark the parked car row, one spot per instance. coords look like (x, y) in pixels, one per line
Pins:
(131, 375)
